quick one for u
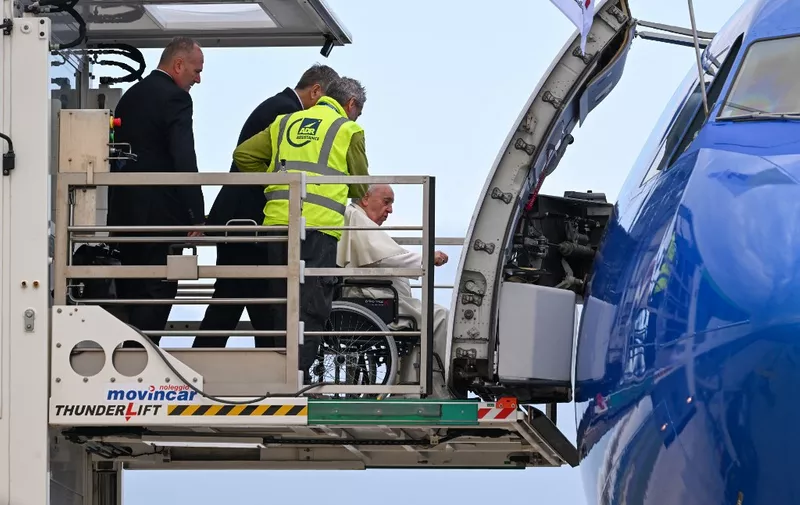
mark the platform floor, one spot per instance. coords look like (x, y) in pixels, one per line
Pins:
(329, 434)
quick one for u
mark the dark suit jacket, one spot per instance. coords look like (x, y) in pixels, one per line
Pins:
(247, 202)
(156, 119)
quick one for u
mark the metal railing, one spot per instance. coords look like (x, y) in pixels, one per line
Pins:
(67, 235)
(206, 290)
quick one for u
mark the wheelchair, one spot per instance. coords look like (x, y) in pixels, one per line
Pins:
(353, 359)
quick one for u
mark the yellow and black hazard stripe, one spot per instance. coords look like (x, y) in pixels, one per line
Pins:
(237, 410)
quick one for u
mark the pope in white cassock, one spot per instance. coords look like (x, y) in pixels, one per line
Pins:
(376, 249)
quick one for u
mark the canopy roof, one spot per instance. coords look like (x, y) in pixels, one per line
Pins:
(152, 23)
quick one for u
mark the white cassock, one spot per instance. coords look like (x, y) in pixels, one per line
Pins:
(376, 249)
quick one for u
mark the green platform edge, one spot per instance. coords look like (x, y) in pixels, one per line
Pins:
(393, 412)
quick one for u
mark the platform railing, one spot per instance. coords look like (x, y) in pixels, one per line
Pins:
(206, 289)
(202, 291)
(180, 267)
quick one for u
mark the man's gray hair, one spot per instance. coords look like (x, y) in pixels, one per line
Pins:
(346, 88)
(178, 46)
(370, 189)
(318, 74)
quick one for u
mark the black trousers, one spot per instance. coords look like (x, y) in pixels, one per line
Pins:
(318, 250)
(226, 317)
(152, 317)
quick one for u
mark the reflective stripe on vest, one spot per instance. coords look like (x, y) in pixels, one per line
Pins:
(320, 167)
(283, 194)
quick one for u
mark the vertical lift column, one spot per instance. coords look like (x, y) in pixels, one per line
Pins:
(24, 321)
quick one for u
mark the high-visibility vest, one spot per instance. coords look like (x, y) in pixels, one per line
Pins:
(314, 141)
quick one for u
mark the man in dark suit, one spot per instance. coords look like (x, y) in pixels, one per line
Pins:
(245, 205)
(156, 116)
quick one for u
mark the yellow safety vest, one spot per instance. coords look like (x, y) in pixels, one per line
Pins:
(314, 141)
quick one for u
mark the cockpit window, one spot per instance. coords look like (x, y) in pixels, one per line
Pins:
(691, 116)
(767, 82)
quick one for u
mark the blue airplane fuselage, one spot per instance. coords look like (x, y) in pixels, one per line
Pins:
(689, 346)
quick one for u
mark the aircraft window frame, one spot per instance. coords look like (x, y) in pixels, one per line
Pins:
(685, 124)
(680, 123)
(714, 91)
(737, 76)
(654, 143)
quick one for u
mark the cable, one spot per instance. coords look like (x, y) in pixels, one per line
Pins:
(124, 66)
(183, 379)
(125, 50)
(81, 27)
(68, 6)
(535, 192)
(9, 158)
(62, 6)
(302, 390)
(132, 15)
(10, 143)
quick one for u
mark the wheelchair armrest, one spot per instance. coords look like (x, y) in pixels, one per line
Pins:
(412, 322)
(372, 283)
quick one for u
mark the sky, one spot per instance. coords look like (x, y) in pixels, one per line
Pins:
(445, 82)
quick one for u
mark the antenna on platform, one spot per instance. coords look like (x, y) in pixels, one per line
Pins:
(697, 55)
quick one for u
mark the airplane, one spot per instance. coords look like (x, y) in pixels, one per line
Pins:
(684, 363)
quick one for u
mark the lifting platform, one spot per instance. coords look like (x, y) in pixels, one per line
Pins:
(76, 408)
(153, 407)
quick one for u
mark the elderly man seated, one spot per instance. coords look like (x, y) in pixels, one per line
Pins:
(373, 248)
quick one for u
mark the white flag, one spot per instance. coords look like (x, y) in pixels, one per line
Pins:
(581, 13)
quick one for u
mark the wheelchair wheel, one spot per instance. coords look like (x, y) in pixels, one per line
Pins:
(353, 359)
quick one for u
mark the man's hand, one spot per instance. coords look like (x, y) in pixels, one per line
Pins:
(439, 258)
(196, 233)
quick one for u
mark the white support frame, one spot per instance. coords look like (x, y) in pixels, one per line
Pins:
(24, 347)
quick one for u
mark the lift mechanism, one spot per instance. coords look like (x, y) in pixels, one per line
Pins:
(120, 402)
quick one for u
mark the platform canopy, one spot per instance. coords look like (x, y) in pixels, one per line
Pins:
(213, 23)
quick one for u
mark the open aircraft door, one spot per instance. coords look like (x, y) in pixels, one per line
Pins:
(518, 283)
